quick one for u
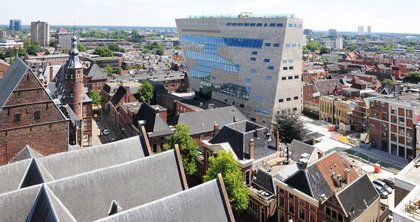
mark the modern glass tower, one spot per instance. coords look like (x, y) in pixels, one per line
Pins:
(254, 63)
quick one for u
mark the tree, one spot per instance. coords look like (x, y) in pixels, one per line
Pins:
(388, 81)
(103, 51)
(410, 50)
(81, 47)
(324, 50)
(225, 164)
(108, 69)
(187, 147)
(96, 98)
(34, 48)
(290, 127)
(145, 92)
(118, 70)
(412, 77)
(313, 46)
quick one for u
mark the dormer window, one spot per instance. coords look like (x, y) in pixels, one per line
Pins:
(114, 208)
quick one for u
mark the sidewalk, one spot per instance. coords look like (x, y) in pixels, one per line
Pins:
(387, 158)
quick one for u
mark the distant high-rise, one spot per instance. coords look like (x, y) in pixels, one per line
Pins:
(361, 30)
(63, 39)
(369, 30)
(339, 43)
(15, 25)
(332, 33)
(254, 63)
(40, 32)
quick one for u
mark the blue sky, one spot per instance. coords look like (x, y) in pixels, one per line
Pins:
(382, 15)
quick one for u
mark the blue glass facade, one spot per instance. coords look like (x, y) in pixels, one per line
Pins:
(207, 59)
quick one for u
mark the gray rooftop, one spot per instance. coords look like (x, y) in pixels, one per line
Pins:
(203, 121)
(11, 78)
(88, 196)
(41, 169)
(204, 203)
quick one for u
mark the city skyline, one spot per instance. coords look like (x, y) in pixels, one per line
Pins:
(316, 15)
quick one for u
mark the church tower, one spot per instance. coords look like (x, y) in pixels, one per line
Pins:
(73, 81)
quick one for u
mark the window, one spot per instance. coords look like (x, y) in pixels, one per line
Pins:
(290, 77)
(287, 45)
(312, 217)
(283, 78)
(272, 24)
(291, 196)
(257, 110)
(252, 24)
(281, 201)
(253, 59)
(296, 97)
(276, 45)
(240, 24)
(266, 60)
(37, 115)
(281, 216)
(290, 25)
(253, 208)
(252, 70)
(285, 68)
(259, 24)
(17, 118)
(302, 213)
(262, 214)
(246, 24)
(280, 100)
(267, 44)
(288, 99)
(234, 24)
(266, 111)
(254, 52)
(291, 207)
(279, 24)
(228, 24)
(296, 77)
(290, 60)
(258, 98)
(267, 77)
(290, 67)
(270, 67)
(247, 80)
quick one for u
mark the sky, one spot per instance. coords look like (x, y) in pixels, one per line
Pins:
(397, 16)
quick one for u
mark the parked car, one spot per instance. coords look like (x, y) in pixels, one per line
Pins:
(382, 192)
(389, 182)
(382, 184)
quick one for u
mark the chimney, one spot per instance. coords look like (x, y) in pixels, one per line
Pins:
(320, 154)
(346, 175)
(251, 149)
(256, 133)
(277, 135)
(215, 129)
(51, 74)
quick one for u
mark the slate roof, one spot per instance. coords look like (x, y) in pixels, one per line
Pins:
(326, 86)
(204, 203)
(88, 196)
(297, 148)
(316, 179)
(119, 94)
(36, 169)
(358, 196)
(238, 136)
(203, 121)
(11, 78)
(387, 89)
(26, 153)
(155, 125)
(94, 72)
(264, 181)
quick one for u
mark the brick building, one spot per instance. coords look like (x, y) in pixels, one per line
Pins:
(94, 78)
(28, 115)
(391, 124)
(327, 190)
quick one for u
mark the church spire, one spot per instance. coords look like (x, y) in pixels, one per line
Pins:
(74, 62)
